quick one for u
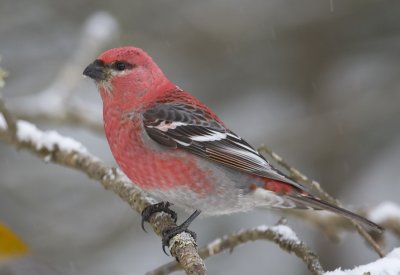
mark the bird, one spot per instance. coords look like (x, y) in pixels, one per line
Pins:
(177, 149)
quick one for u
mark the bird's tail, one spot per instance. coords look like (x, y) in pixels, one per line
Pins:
(309, 201)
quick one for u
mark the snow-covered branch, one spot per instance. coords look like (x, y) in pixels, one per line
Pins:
(279, 234)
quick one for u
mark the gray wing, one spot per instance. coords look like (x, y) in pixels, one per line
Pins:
(188, 127)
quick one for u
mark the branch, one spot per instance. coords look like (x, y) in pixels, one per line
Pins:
(297, 175)
(279, 234)
(65, 151)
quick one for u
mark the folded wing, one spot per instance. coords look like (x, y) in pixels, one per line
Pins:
(188, 127)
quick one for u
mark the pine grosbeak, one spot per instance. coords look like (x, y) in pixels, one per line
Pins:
(174, 147)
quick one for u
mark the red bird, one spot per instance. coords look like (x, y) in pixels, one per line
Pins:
(174, 147)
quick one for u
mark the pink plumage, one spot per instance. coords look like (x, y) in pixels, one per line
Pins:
(173, 146)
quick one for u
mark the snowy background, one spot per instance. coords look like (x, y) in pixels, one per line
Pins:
(317, 81)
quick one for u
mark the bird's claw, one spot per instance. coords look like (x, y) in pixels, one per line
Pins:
(168, 234)
(155, 208)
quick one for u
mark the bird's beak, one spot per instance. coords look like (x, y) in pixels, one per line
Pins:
(96, 70)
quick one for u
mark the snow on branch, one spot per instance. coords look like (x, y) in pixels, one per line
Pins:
(389, 265)
(29, 133)
(280, 234)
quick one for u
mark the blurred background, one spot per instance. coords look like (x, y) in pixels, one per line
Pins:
(317, 81)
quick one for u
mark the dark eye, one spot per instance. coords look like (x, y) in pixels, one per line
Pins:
(120, 66)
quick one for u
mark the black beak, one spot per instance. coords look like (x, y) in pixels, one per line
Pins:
(96, 70)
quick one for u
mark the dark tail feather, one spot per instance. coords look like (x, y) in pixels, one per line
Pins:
(315, 203)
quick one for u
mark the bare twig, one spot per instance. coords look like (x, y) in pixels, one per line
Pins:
(296, 174)
(279, 234)
(70, 153)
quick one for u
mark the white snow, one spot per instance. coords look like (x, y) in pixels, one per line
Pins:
(389, 265)
(286, 233)
(3, 123)
(384, 211)
(262, 227)
(49, 140)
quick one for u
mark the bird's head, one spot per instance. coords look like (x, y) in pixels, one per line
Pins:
(125, 74)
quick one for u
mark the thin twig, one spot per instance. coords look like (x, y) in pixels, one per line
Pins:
(279, 234)
(297, 175)
(67, 152)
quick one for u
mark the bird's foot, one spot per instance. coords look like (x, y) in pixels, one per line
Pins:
(155, 208)
(168, 234)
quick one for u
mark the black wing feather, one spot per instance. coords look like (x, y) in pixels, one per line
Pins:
(179, 125)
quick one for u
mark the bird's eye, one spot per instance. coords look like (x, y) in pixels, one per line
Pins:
(120, 66)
